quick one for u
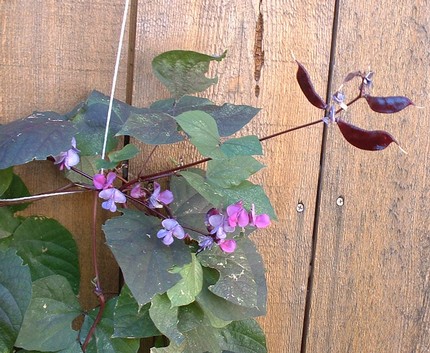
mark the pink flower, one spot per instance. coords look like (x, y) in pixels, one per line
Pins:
(227, 245)
(137, 192)
(259, 221)
(237, 215)
(100, 181)
(112, 196)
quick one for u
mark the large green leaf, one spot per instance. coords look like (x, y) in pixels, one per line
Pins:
(127, 152)
(244, 336)
(183, 72)
(165, 317)
(218, 309)
(154, 128)
(230, 118)
(203, 132)
(242, 278)
(102, 341)
(188, 206)
(6, 176)
(90, 120)
(143, 258)
(220, 197)
(35, 137)
(130, 320)
(48, 319)
(48, 248)
(15, 294)
(232, 171)
(185, 291)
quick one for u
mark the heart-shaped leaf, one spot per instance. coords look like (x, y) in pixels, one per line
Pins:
(242, 146)
(183, 72)
(48, 248)
(143, 258)
(47, 324)
(35, 137)
(245, 336)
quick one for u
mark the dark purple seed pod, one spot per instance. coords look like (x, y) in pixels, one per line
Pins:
(388, 105)
(307, 87)
(375, 140)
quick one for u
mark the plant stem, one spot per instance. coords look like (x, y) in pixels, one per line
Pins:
(98, 289)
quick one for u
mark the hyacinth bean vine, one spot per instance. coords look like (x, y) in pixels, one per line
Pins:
(180, 236)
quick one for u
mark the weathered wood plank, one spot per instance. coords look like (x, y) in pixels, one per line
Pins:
(372, 284)
(293, 160)
(52, 54)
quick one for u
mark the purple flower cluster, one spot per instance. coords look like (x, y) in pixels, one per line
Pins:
(108, 192)
(220, 224)
(158, 198)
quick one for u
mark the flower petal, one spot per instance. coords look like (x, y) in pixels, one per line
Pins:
(169, 223)
(228, 245)
(99, 181)
(165, 197)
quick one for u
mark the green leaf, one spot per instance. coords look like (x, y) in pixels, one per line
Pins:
(250, 194)
(242, 146)
(203, 132)
(153, 128)
(241, 273)
(210, 192)
(230, 118)
(218, 309)
(143, 258)
(233, 171)
(90, 120)
(172, 348)
(127, 152)
(16, 188)
(244, 336)
(183, 72)
(185, 291)
(36, 137)
(8, 222)
(165, 317)
(188, 206)
(130, 320)
(48, 319)
(6, 176)
(102, 340)
(15, 294)
(48, 248)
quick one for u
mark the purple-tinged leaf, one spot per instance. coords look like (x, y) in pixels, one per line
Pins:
(388, 105)
(307, 87)
(375, 140)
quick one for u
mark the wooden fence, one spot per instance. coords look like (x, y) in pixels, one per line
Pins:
(348, 265)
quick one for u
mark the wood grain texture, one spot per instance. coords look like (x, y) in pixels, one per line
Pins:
(372, 275)
(293, 160)
(52, 55)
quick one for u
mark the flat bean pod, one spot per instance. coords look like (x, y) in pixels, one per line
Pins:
(388, 105)
(307, 87)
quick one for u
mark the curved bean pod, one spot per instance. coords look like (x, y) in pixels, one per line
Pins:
(307, 87)
(388, 105)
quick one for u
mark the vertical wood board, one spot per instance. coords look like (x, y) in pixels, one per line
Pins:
(371, 285)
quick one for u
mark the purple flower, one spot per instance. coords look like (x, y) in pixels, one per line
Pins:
(237, 215)
(227, 245)
(219, 225)
(205, 242)
(158, 199)
(259, 221)
(112, 196)
(68, 159)
(171, 229)
(100, 181)
(137, 192)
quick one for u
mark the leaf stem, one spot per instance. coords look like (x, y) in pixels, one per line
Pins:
(98, 289)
